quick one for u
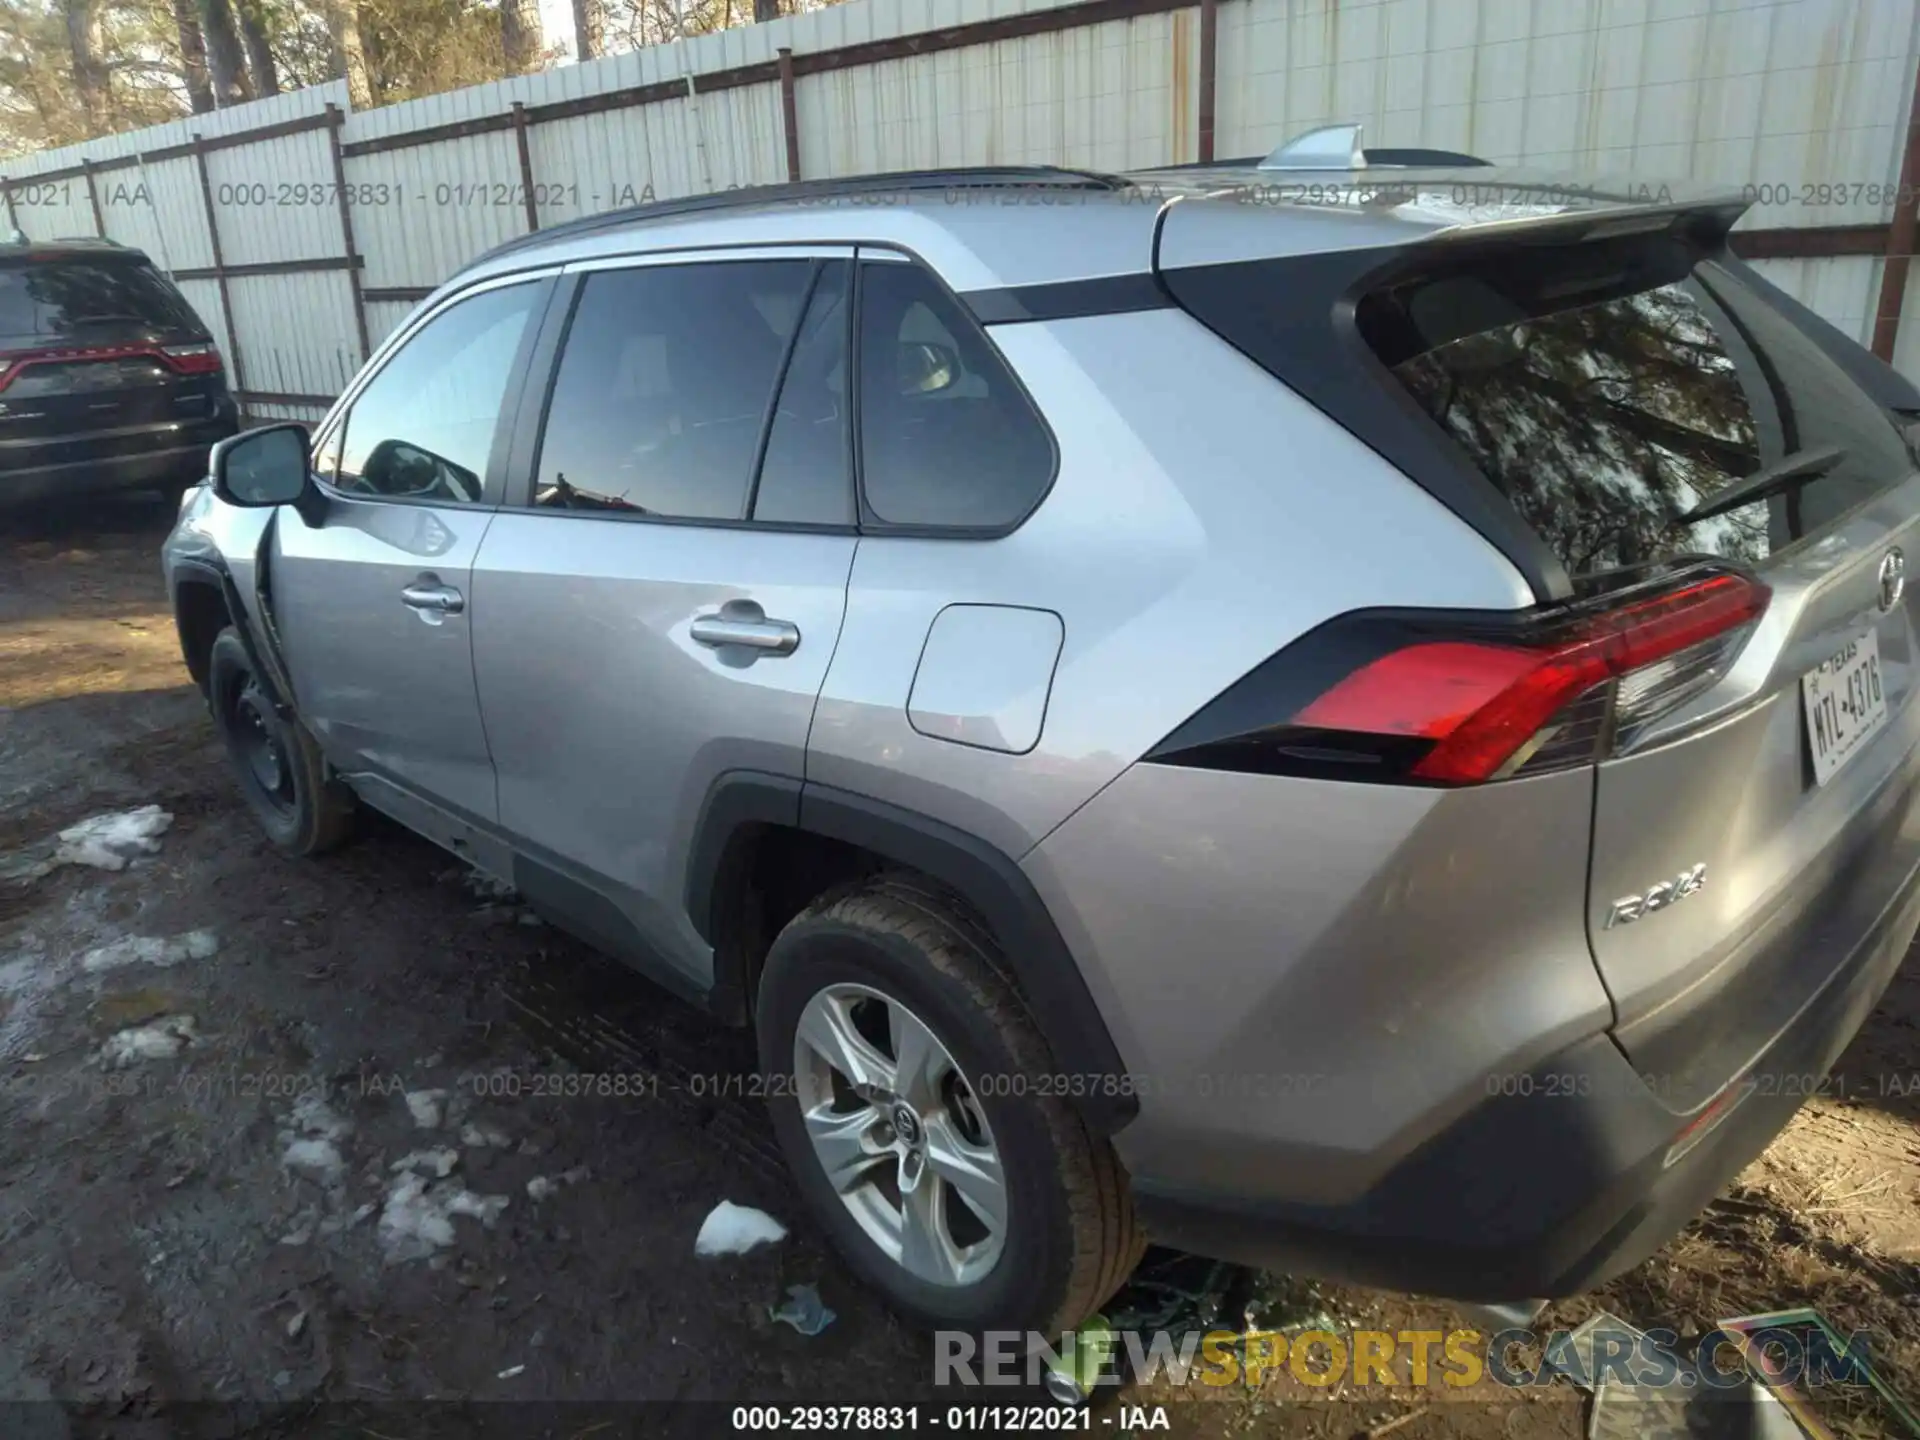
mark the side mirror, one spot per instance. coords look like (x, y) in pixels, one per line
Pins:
(268, 466)
(926, 368)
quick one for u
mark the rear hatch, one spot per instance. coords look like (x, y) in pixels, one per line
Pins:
(99, 355)
(1661, 420)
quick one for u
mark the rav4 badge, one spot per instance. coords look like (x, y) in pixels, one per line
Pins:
(1629, 908)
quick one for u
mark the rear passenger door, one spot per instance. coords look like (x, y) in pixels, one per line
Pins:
(657, 602)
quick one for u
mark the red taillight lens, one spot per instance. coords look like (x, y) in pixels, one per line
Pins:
(192, 359)
(1458, 700)
(1482, 703)
(183, 359)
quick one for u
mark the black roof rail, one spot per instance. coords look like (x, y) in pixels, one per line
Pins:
(966, 177)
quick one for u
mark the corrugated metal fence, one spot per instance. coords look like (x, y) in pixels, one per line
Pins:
(304, 233)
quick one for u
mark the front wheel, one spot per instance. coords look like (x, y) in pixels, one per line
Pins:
(919, 1123)
(282, 776)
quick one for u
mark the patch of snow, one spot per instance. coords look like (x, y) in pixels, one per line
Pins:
(109, 841)
(24, 983)
(485, 1136)
(486, 887)
(732, 1229)
(542, 1187)
(42, 963)
(160, 1039)
(335, 1223)
(428, 1108)
(317, 1158)
(418, 1218)
(484, 1208)
(150, 950)
(312, 1116)
(438, 1163)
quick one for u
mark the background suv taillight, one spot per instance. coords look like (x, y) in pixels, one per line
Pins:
(1459, 699)
(192, 359)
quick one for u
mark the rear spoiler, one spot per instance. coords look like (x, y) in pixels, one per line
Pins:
(1707, 220)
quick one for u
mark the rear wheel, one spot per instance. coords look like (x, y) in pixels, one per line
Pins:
(280, 770)
(906, 1093)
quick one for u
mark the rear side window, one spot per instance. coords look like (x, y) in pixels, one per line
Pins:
(47, 301)
(664, 387)
(947, 436)
(1608, 397)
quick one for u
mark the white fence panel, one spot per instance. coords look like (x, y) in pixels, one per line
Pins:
(276, 201)
(1113, 96)
(296, 331)
(157, 206)
(49, 209)
(1779, 94)
(423, 212)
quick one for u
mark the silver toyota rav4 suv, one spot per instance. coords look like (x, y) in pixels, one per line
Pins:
(1354, 712)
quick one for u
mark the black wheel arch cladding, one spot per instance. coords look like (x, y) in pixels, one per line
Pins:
(214, 573)
(1038, 961)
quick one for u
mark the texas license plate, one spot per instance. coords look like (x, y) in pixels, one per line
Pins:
(1845, 704)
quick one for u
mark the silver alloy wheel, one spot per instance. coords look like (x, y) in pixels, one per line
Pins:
(900, 1134)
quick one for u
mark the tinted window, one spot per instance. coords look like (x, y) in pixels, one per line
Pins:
(664, 385)
(46, 300)
(1606, 412)
(805, 477)
(423, 427)
(947, 437)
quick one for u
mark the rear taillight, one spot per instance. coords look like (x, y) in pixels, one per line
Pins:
(182, 359)
(192, 359)
(1452, 699)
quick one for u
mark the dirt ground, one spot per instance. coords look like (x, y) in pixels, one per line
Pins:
(208, 1242)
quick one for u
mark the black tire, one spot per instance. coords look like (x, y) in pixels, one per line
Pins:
(279, 768)
(1071, 1236)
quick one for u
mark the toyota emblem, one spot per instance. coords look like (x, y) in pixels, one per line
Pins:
(1893, 578)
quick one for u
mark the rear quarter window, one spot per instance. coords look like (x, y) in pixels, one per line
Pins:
(948, 438)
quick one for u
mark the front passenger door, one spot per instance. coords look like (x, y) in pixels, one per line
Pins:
(373, 603)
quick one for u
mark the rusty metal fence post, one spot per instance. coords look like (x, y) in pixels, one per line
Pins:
(219, 264)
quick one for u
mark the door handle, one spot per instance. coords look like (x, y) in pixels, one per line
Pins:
(756, 632)
(443, 599)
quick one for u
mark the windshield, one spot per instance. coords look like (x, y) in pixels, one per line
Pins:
(1606, 408)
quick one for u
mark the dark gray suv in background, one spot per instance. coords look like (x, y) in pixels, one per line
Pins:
(108, 380)
(1354, 717)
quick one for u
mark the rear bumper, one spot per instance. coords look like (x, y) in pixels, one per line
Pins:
(1557, 1187)
(172, 464)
